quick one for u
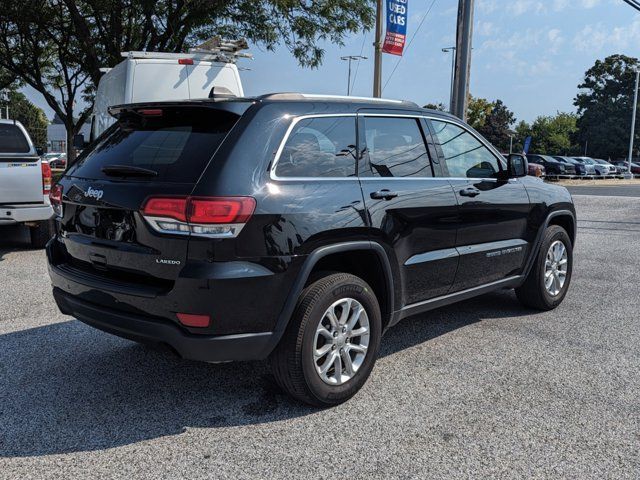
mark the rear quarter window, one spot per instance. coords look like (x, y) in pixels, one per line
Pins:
(12, 140)
(177, 144)
(321, 147)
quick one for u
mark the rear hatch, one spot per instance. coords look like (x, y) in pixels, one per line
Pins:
(150, 152)
(20, 169)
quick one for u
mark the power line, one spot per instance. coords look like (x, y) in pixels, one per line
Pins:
(355, 75)
(634, 3)
(410, 42)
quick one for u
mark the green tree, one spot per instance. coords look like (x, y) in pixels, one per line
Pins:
(59, 46)
(32, 117)
(478, 110)
(107, 27)
(604, 106)
(522, 131)
(552, 135)
(496, 127)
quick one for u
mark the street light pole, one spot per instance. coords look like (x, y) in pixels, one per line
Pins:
(633, 122)
(453, 73)
(377, 72)
(350, 58)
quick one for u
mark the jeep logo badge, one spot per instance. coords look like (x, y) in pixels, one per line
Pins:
(92, 192)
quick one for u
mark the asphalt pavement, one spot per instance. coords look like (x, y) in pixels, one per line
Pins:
(606, 190)
(481, 389)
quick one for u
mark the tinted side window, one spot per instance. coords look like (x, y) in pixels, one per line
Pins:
(396, 148)
(320, 147)
(12, 140)
(464, 155)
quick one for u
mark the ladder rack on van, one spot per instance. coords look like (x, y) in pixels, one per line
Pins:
(214, 50)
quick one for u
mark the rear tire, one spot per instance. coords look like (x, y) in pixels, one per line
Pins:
(41, 234)
(548, 282)
(297, 361)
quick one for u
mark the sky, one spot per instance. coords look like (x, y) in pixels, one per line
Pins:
(532, 54)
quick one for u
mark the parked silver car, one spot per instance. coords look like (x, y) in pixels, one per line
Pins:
(589, 164)
(605, 168)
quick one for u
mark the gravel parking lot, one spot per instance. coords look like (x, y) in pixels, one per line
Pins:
(481, 389)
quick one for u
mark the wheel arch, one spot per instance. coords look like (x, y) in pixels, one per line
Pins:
(325, 258)
(563, 218)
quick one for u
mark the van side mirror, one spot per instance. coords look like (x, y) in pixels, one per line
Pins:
(517, 165)
(79, 142)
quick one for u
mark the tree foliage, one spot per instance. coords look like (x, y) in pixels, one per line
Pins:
(604, 106)
(496, 126)
(32, 117)
(477, 111)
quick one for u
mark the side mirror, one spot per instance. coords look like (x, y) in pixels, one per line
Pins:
(517, 165)
(78, 141)
(39, 151)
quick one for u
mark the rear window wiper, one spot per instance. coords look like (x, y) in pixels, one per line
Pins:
(128, 171)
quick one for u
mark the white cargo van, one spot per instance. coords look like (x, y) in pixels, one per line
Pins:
(156, 76)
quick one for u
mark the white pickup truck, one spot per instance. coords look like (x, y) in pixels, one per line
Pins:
(25, 183)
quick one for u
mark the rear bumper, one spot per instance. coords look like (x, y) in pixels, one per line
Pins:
(205, 348)
(11, 214)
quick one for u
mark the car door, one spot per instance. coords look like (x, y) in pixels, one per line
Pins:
(410, 212)
(493, 211)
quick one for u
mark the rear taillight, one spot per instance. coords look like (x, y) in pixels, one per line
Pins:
(215, 217)
(185, 61)
(55, 197)
(46, 178)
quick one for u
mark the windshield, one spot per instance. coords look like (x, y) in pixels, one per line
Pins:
(175, 142)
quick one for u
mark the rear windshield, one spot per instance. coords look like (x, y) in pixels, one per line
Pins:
(12, 140)
(175, 142)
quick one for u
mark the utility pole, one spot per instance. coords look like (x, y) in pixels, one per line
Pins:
(377, 72)
(453, 73)
(633, 122)
(464, 41)
(351, 58)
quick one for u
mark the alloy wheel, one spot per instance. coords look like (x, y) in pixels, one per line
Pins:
(555, 268)
(341, 341)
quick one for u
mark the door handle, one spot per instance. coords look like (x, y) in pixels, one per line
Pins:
(469, 192)
(383, 195)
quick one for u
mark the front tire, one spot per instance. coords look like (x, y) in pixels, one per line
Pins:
(331, 343)
(548, 282)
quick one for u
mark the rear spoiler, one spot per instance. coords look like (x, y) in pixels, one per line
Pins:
(227, 104)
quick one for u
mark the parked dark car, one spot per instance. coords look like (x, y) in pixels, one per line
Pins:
(581, 169)
(551, 165)
(298, 229)
(635, 167)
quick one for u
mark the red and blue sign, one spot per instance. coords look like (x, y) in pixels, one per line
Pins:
(396, 36)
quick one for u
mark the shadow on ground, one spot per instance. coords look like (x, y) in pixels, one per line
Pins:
(67, 387)
(12, 238)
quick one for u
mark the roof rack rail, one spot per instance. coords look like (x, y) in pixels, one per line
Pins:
(213, 50)
(311, 96)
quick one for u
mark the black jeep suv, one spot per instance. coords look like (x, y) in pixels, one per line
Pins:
(297, 229)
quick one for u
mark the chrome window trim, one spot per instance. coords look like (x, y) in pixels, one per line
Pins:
(417, 116)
